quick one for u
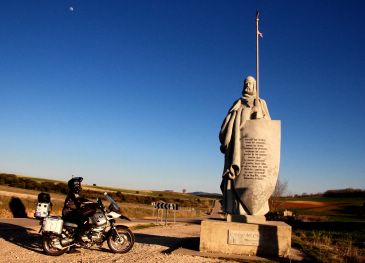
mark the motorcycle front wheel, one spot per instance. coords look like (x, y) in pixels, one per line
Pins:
(123, 242)
(48, 244)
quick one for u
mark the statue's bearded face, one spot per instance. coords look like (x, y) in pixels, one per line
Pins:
(250, 86)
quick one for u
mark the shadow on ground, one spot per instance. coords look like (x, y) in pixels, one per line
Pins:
(17, 208)
(21, 236)
(351, 211)
(171, 242)
(190, 246)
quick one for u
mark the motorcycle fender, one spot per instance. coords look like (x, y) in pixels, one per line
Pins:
(111, 230)
(112, 215)
(125, 217)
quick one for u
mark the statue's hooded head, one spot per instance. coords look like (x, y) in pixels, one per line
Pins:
(249, 87)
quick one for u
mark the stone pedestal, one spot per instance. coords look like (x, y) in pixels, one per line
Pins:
(246, 219)
(271, 238)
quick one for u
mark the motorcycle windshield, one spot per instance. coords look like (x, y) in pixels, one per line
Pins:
(112, 202)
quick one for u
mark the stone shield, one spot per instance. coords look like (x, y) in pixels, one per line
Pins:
(260, 159)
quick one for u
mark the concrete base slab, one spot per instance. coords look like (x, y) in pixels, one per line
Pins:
(240, 258)
(269, 239)
(295, 256)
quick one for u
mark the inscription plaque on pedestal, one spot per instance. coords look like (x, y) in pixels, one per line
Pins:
(245, 238)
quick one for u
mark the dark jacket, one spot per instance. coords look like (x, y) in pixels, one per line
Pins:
(72, 210)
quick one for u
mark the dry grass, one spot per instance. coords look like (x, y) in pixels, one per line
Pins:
(329, 229)
(324, 246)
(147, 211)
(29, 199)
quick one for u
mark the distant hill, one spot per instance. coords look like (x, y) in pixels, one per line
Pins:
(335, 193)
(207, 195)
(347, 192)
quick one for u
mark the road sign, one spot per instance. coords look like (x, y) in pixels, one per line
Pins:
(170, 206)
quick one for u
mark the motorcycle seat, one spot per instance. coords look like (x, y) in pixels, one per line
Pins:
(70, 224)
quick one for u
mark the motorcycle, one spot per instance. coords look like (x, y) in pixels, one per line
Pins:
(59, 236)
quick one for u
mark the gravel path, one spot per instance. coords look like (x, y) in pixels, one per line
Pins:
(152, 245)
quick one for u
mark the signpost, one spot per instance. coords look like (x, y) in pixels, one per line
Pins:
(164, 208)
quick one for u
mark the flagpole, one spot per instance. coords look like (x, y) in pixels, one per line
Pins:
(257, 55)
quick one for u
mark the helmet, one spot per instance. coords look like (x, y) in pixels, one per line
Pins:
(74, 185)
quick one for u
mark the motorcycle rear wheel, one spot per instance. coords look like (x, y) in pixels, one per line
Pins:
(125, 243)
(49, 249)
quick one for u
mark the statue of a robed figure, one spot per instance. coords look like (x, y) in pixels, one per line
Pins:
(250, 142)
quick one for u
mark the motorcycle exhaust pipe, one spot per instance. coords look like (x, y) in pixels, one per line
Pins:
(66, 242)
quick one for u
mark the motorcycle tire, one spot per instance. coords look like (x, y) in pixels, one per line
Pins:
(124, 245)
(49, 249)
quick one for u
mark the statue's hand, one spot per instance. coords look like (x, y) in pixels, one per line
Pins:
(257, 110)
(229, 174)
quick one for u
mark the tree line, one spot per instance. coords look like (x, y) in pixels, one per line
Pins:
(348, 192)
(27, 183)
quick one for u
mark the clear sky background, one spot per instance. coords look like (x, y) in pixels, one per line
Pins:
(132, 93)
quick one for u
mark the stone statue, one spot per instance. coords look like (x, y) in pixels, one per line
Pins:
(248, 107)
(250, 142)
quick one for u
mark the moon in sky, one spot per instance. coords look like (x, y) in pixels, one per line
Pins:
(71, 8)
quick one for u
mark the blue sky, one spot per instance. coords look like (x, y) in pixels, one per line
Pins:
(132, 93)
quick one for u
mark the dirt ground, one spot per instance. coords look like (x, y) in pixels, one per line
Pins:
(155, 244)
(152, 245)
